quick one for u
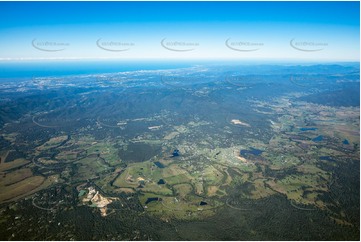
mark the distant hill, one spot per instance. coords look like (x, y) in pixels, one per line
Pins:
(338, 98)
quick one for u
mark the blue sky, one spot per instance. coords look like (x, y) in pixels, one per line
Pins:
(326, 31)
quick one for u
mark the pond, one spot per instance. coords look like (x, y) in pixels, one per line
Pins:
(175, 153)
(328, 158)
(308, 129)
(151, 199)
(161, 182)
(251, 151)
(318, 138)
(159, 165)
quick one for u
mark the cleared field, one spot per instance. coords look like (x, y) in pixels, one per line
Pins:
(13, 164)
(47, 162)
(302, 189)
(172, 207)
(90, 167)
(15, 176)
(176, 175)
(20, 188)
(280, 160)
(227, 179)
(261, 190)
(182, 178)
(312, 169)
(212, 190)
(173, 170)
(135, 173)
(125, 190)
(198, 186)
(3, 155)
(53, 142)
(67, 155)
(157, 189)
(106, 151)
(212, 176)
(182, 190)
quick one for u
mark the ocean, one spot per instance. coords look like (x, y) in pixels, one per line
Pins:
(29, 69)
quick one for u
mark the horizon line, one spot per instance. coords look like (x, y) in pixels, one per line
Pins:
(173, 59)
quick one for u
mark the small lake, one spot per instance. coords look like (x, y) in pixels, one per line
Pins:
(151, 199)
(318, 138)
(328, 158)
(345, 142)
(158, 164)
(161, 182)
(202, 203)
(251, 151)
(175, 153)
(308, 129)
